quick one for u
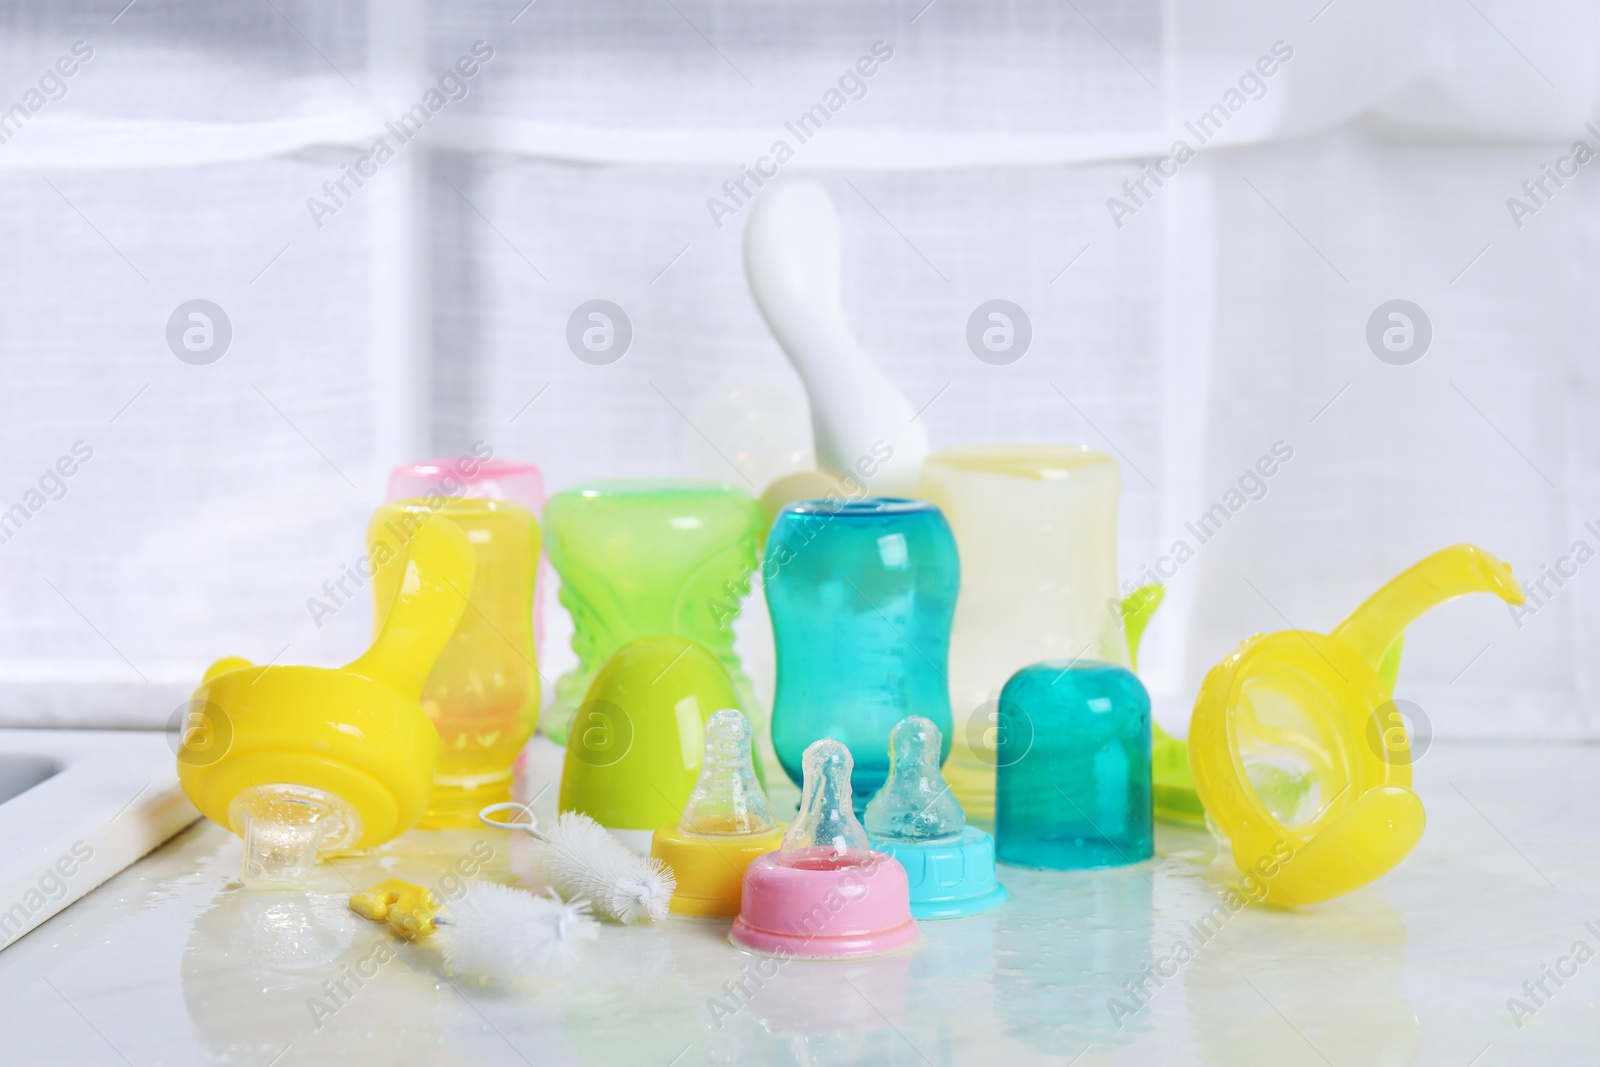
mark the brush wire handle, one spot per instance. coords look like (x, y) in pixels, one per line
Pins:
(531, 826)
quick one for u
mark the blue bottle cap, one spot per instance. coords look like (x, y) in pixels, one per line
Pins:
(951, 878)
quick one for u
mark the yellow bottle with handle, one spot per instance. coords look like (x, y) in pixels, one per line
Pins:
(1318, 708)
(303, 762)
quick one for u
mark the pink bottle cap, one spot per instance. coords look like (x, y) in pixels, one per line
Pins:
(825, 894)
(825, 914)
(468, 476)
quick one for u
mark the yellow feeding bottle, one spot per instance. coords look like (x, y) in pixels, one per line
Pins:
(309, 761)
(1298, 752)
(483, 693)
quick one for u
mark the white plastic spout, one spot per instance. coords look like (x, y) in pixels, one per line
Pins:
(861, 423)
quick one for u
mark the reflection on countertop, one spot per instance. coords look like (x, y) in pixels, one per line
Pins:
(171, 962)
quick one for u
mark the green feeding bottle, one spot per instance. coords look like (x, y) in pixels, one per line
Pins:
(646, 558)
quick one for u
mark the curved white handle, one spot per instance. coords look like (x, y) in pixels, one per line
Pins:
(861, 423)
(531, 825)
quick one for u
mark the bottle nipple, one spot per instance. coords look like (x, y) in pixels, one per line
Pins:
(825, 835)
(286, 828)
(727, 799)
(915, 804)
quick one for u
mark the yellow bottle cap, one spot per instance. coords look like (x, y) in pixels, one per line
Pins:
(710, 867)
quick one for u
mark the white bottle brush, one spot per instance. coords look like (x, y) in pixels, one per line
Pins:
(579, 860)
(490, 932)
(498, 931)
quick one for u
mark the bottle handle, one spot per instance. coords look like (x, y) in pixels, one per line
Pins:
(1135, 611)
(438, 568)
(1373, 629)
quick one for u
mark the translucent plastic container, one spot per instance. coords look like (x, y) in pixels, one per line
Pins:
(488, 479)
(483, 692)
(1037, 529)
(646, 558)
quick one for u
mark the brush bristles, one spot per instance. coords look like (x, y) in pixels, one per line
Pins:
(581, 861)
(497, 932)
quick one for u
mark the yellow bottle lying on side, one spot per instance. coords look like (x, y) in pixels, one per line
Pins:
(304, 762)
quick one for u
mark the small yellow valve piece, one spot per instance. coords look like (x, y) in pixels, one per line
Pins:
(408, 908)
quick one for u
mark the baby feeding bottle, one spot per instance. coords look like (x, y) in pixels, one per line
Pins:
(483, 693)
(825, 894)
(303, 762)
(861, 594)
(1037, 528)
(644, 558)
(1074, 767)
(725, 825)
(917, 820)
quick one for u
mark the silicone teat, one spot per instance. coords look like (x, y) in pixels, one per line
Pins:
(727, 799)
(285, 828)
(825, 835)
(915, 804)
(809, 898)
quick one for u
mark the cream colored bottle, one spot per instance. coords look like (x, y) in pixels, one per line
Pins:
(1036, 526)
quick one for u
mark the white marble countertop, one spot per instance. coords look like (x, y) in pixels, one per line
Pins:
(171, 963)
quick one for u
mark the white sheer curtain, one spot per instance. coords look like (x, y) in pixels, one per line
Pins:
(1227, 313)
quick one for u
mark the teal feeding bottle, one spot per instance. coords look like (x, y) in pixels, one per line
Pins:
(861, 594)
(1072, 786)
(917, 820)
